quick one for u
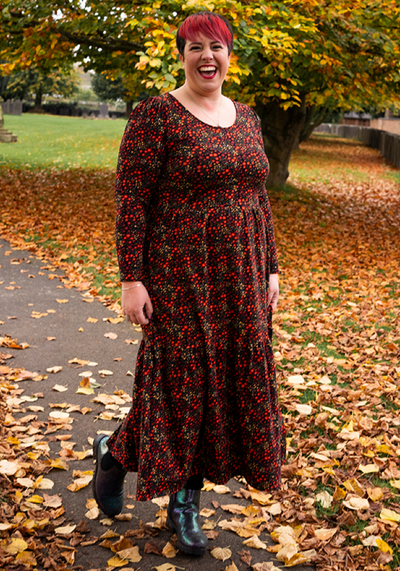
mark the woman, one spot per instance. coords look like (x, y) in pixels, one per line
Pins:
(199, 270)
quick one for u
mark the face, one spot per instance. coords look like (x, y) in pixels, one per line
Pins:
(205, 62)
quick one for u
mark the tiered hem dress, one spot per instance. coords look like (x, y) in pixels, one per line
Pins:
(194, 225)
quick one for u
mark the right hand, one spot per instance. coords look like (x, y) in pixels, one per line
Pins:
(136, 303)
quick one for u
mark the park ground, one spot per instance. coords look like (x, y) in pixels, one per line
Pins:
(337, 344)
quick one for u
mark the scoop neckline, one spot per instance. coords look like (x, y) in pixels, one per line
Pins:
(203, 122)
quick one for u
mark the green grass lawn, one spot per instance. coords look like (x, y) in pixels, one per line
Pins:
(61, 142)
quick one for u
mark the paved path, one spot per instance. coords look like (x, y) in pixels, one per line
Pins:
(29, 288)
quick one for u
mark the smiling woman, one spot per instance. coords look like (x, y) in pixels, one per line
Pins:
(198, 265)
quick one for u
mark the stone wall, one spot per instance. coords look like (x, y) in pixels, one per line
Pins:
(388, 125)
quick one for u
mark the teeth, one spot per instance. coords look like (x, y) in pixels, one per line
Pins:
(208, 68)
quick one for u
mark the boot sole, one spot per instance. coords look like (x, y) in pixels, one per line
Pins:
(181, 546)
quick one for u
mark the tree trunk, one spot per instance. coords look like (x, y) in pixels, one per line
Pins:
(314, 117)
(129, 107)
(38, 101)
(281, 131)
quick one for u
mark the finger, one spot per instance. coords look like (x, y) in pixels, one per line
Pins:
(141, 318)
(149, 309)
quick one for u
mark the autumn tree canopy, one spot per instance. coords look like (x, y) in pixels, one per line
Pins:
(293, 61)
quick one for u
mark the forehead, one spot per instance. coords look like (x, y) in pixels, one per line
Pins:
(204, 40)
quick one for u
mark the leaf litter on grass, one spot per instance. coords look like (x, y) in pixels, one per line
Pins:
(337, 342)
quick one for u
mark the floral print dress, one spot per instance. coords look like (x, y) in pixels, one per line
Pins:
(194, 225)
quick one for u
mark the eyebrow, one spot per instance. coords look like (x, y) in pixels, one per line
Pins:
(201, 43)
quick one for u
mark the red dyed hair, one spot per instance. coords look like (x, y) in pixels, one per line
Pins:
(209, 24)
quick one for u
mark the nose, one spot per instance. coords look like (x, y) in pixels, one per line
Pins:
(207, 53)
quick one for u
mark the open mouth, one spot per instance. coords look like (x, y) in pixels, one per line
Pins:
(208, 71)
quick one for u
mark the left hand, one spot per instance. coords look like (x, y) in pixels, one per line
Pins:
(273, 291)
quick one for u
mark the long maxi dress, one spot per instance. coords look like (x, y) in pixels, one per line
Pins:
(194, 225)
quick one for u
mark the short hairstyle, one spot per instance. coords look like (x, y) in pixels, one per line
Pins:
(210, 24)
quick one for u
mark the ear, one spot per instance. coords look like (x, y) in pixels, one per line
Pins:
(182, 59)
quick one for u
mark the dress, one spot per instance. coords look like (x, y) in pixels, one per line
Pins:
(194, 224)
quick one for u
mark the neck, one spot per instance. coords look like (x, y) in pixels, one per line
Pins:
(203, 99)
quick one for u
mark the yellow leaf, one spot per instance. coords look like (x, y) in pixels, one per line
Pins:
(299, 558)
(62, 300)
(35, 499)
(375, 494)
(389, 515)
(92, 320)
(80, 483)
(169, 551)
(261, 497)
(339, 494)
(27, 558)
(57, 463)
(131, 554)
(231, 567)
(16, 546)
(85, 391)
(383, 546)
(117, 562)
(288, 551)
(221, 553)
(354, 486)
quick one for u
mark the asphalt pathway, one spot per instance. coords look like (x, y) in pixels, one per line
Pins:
(65, 327)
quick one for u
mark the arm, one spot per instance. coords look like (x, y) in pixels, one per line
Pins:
(273, 289)
(140, 161)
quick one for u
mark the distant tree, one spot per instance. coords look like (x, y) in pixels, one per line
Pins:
(34, 83)
(127, 88)
(107, 89)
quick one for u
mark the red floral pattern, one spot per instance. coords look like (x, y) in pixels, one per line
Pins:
(194, 224)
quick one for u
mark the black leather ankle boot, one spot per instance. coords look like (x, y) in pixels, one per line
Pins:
(183, 518)
(108, 479)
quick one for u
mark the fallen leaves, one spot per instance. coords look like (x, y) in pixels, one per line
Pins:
(336, 349)
(221, 553)
(81, 480)
(55, 369)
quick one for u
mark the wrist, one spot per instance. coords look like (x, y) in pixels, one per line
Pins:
(130, 285)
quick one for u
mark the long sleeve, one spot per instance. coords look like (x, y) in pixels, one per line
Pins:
(141, 157)
(273, 256)
(266, 206)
